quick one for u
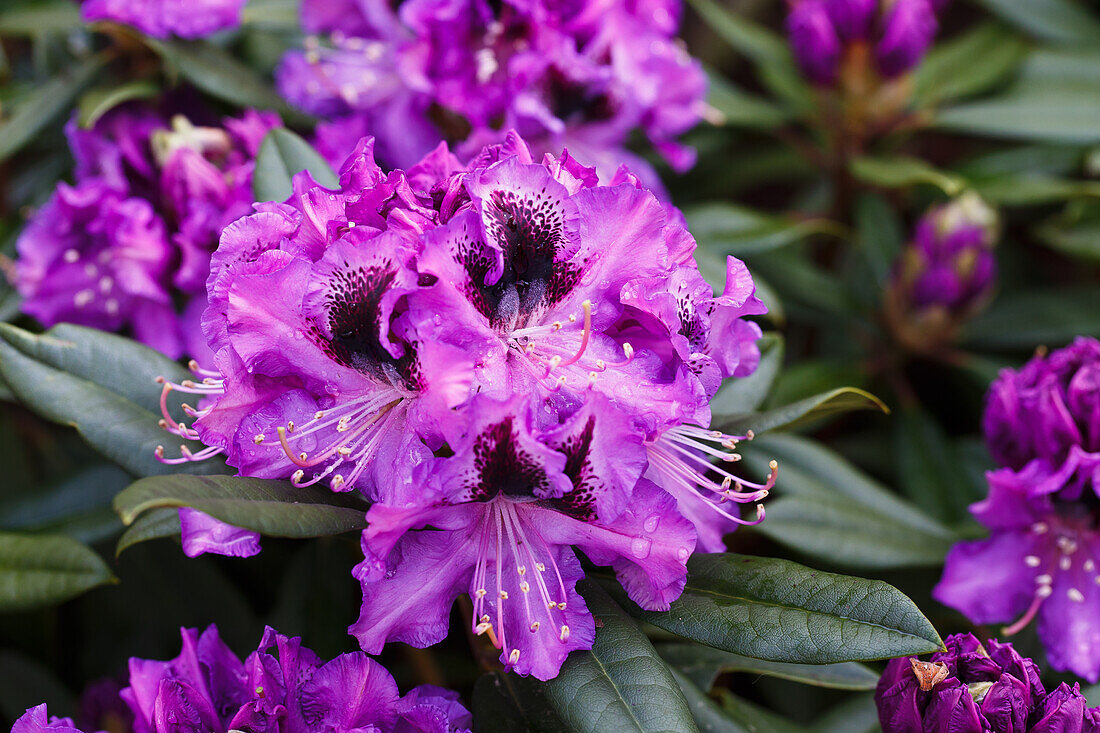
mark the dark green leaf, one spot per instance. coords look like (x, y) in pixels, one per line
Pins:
(1029, 319)
(855, 715)
(220, 75)
(740, 231)
(275, 14)
(45, 104)
(25, 683)
(275, 508)
(1033, 189)
(508, 702)
(804, 411)
(829, 508)
(929, 468)
(741, 396)
(880, 235)
(970, 63)
(739, 108)
(754, 718)
(98, 102)
(708, 715)
(702, 664)
(767, 49)
(38, 570)
(1079, 239)
(64, 380)
(283, 155)
(1061, 21)
(152, 525)
(902, 172)
(784, 612)
(621, 684)
(55, 16)
(79, 507)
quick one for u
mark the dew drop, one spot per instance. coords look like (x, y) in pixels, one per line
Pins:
(683, 553)
(640, 547)
(651, 523)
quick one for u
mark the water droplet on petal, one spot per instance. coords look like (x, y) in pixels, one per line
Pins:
(683, 553)
(640, 547)
(651, 523)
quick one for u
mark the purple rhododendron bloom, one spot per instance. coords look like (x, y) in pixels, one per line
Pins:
(581, 75)
(976, 688)
(132, 238)
(163, 18)
(503, 513)
(1042, 556)
(508, 359)
(282, 686)
(823, 32)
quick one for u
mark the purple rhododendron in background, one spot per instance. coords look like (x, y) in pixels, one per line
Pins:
(896, 32)
(977, 688)
(132, 238)
(1042, 423)
(580, 76)
(282, 686)
(945, 274)
(163, 18)
(553, 334)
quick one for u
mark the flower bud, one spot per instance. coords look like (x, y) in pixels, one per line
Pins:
(852, 19)
(969, 688)
(945, 273)
(907, 30)
(814, 41)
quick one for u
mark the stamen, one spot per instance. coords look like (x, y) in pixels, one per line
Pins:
(1041, 594)
(585, 334)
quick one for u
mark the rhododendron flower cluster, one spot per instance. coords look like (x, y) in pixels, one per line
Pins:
(978, 688)
(823, 33)
(1042, 558)
(580, 75)
(128, 244)
(163, 18)
(282, 686)
(509, 360)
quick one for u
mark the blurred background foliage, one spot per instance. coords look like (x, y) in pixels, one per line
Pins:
(818, 195)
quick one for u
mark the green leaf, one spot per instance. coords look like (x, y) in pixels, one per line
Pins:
(282, 156)
(880, 235)
(275, 14)
(98, 102)
(929, 468)
(781, 611)
(1056, 99)
(752, 717)
(828, 506)
(1078, 239)
(621, 684)
(708, 715)
(1031, 189)
(508, 702)
(858, 714)
(154, 524)
(45, 104)
(56, 16)
(739, 108)
(67, 376)
(902, 172)
(25, 682)
(703, 664)
(38, 570)
(1060, 21)
(79, 507)
(743, 395)
(740, 231)
(768, 50)
(273, 508)
(968, 64)
(1029, 319)
(219, 74)
(811, 409)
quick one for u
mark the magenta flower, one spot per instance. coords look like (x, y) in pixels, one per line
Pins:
(503, 513)
(581, 77)
(823, 32)
(282, 686)
(976, 688)
(163, 18)
(132, 239)
(1042, 556)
